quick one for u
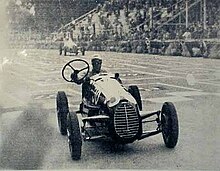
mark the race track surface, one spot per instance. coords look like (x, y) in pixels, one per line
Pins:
(29, 137)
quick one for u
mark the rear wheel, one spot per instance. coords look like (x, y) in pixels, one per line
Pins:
(134, 91)
(62, 111)
(61, 48)
(74, 136)
(170, 127)
(83, 51)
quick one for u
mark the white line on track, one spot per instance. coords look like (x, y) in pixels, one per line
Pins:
(161, 100)
(208, 83)
(172, 85)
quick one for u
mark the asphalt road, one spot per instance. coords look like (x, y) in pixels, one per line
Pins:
(29, 137)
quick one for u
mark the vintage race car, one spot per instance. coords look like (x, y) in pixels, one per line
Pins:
(111, 111)
(69, 46)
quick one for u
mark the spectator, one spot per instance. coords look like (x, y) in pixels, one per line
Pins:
(187, 35)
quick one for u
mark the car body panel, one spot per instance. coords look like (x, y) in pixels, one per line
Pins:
(111, 89)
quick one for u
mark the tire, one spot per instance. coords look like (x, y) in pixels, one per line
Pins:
(134, 91)
(62, 111)
(74, 136)
(170, 126)
(83, 52)
(60, 51)
(61, 48)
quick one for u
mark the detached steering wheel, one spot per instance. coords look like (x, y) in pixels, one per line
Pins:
(76, 71)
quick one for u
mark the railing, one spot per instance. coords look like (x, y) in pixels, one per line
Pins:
(179, 13)
(179, 3)
(79, 19)
(157, 15)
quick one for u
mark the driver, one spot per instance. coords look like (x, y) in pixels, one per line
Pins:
(96, 69)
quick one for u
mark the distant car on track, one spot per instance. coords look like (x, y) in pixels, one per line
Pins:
(69, 46)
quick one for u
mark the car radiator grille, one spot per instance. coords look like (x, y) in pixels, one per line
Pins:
(126, 120)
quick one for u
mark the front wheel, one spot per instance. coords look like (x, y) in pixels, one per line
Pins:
(169, 123)
(83, 52)
(60, 49)
(62, 111)
(74, 136)
(65, 51)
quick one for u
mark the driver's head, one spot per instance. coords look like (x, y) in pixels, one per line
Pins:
(96, 64)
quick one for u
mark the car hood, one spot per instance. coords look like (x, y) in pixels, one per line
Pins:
(111, 89)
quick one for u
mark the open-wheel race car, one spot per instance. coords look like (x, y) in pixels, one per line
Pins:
(69, 46)
(110, 110)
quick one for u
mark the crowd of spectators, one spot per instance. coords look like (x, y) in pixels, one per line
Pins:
(142, 19)
(138, 22)
(136, 16)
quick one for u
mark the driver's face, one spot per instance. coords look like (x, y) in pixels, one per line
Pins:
(97, 66)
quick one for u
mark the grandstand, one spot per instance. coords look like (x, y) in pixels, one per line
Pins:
(129, 25)
(144, 15)
(139, 26)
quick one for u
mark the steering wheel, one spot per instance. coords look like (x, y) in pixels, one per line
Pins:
(76, 71)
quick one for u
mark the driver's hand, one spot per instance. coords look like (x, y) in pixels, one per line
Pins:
(74, 76)
(87, 79)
